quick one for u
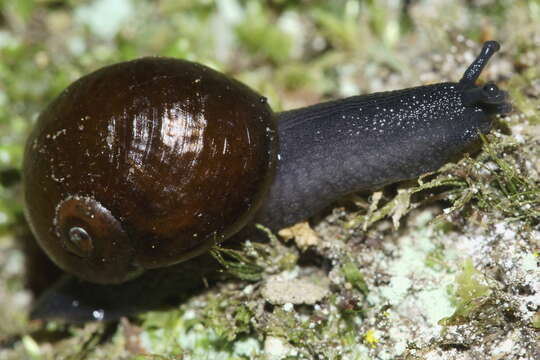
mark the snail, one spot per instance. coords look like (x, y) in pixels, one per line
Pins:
(148, 163)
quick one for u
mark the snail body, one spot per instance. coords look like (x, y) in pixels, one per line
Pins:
(148, 163)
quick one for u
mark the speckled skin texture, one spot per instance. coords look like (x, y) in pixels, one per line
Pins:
(365, 142)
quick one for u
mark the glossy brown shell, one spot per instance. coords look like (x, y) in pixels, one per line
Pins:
(157, 159)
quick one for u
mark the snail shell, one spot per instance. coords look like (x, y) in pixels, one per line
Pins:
(144, 164)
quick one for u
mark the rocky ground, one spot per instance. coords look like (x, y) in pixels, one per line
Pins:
(446, 267)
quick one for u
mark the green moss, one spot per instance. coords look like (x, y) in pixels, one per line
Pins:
(21, 9)
(354, 277)
(339, 25)
(469, 286)
(162, 329)
(536, 321)
(260, 35)
(237, 264)
(519, 86)
(154, 357)
(470, 293)
(253, 259)
(228, 317)
(497, 182)
(435, 259)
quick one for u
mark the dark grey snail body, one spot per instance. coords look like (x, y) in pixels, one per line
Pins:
(325, 151)
(369, 142)
(366, 142)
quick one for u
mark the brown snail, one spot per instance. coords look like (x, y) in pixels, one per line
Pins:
(147, 163)
(144, 164)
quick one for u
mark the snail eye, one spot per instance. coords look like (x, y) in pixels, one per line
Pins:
(491, 89)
